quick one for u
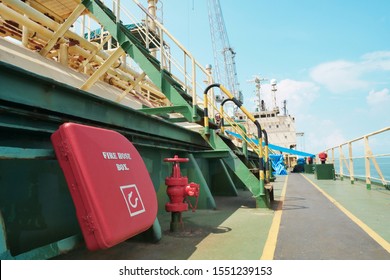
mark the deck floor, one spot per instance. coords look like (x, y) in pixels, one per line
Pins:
(311, 227)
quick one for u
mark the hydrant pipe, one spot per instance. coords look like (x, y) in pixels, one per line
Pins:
(178, 189)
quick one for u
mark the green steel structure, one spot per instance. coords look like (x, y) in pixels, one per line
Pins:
(37, 214)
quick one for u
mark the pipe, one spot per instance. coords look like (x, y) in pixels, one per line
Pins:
(267, 167)
(222, 113)
(252, 118)
(47, 34)
(152, 9)
(244, 143)
(15, 16)
(102, 69)
(35, 15)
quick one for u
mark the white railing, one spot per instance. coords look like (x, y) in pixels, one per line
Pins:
(173, 56)
(357, 157)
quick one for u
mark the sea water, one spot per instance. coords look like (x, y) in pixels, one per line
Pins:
(359, 168)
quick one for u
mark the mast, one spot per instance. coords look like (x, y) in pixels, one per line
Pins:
(224, 55)
(274, 89)
(260, 103)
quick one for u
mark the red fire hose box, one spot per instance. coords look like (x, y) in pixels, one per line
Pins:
(110, 186)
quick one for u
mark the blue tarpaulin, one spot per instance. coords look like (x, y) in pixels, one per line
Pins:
(278, 166)
(274, 147)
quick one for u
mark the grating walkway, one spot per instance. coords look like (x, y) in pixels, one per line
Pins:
(314, 227)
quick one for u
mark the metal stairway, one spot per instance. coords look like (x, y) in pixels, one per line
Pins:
(181, 101)
(241, 172)
(149, 64)
(80, 81)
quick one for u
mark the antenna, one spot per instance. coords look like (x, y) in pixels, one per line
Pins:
(274, 89)
(257, 80)
(285, 107)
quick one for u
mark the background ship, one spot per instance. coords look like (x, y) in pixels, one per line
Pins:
(280, 127)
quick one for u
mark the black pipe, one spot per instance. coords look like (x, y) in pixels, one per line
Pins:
(209, 87)
(223, 103)
(266, 159)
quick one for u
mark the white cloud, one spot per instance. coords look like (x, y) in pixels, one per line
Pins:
(379, 60)
(323, 134)
(342, 75)
(339, 76)
(333, 138)
(379, 98)
(297, 93)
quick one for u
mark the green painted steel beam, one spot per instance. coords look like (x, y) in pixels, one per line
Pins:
(242, 172)
(51, 250)
(177, 120)
(49, 100)
(166, 110)
(134, 48)
(222, 182)
(230, 184)
(6, 125)
(46, 252)
(4, 252)
(20, 124)
(222, 153)
(25, 153)
(206, 199)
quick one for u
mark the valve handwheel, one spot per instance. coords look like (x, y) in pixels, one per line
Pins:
(176, 159)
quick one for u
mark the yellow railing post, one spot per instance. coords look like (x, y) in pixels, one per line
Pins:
(341, 162)
(267, 171)
(367, 163)
(368, 158)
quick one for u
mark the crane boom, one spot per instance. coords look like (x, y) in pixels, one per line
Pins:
(224, 56)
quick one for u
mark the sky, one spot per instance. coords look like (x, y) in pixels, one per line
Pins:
(331, 60)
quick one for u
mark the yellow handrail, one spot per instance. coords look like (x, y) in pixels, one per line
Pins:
(250, 116)
(237, 128)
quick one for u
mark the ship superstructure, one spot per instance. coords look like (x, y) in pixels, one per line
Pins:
(280, 127)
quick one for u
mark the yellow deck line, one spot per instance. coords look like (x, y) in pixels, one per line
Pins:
(270, 244)
(382, 242)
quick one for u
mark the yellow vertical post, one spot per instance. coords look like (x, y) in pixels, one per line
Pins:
(351, 171)
(333, 155)
(367, 163)
(64, 54)
(267, 172)
(261, 165)
(25, 32)
(206, 114)
(194, 96)
(222, 120)
(341, 156)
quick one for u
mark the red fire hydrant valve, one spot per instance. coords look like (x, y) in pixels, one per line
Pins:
(178, 188)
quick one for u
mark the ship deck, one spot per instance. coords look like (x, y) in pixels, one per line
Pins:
(311, 220)
(320, 220)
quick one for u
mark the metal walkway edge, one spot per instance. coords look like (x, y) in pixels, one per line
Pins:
(314, 226)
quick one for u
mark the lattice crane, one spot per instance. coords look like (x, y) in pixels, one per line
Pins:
(225, 71)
